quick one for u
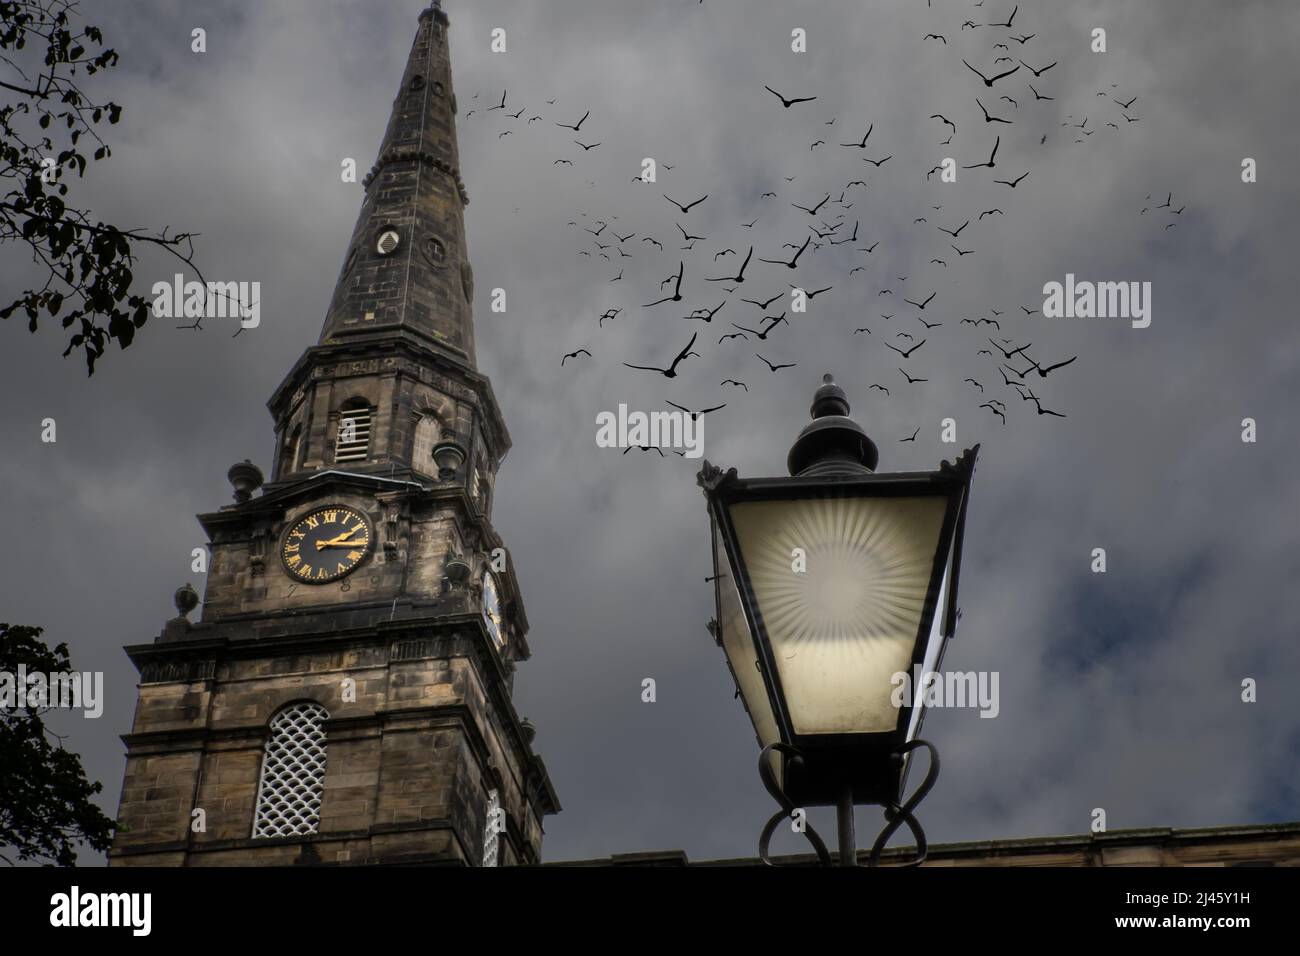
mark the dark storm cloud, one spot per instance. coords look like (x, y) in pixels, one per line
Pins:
(1118, 691)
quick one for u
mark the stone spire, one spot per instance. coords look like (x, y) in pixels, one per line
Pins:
(406, 271)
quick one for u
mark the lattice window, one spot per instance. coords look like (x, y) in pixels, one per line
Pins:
(354, 435)
(491, 826)
(293, 773)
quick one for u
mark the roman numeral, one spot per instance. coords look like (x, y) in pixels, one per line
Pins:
(313, 521)
(331, 517)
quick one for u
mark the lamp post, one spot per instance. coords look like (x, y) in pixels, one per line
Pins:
(830, 583)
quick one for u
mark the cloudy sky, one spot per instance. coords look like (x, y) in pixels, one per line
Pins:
(1119, 690)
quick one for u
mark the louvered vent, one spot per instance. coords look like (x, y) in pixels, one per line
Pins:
(354, 435)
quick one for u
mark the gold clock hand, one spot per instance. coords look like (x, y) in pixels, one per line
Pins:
(339, 542)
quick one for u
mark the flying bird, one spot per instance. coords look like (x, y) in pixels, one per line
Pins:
(793, 262)
(863, 144)
(992, 155)
(677, 292)
(671, 370)
(775, 367)
(739, 276)
(695, 416)
(764, 305)
(687, 208)
(789, 103)
(987, 80)
(908, 353)
(813, 210)
(705, 314)
(1042, 372)
(987, 117)
(576, 127)
(574, 355)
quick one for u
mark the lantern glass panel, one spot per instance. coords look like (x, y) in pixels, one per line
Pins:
(843, 623)
(738, 645)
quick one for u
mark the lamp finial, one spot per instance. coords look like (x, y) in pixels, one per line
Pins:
(832, 443)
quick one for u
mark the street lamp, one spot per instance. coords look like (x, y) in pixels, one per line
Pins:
(830, 583)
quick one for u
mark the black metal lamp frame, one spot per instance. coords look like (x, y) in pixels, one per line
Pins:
(844, 770)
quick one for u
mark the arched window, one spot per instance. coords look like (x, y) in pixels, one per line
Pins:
(354, 432)
(293, 773)
(289, 453)
(427, 432)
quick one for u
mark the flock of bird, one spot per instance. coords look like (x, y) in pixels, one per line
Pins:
(733, 283)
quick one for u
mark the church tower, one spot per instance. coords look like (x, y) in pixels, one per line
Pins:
(345, 695)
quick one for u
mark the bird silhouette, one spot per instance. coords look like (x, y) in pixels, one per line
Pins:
(863, 144)
(813, 210)
(687, 208)
(908, 353)
(776, 367)
(992, 156)
(677, 292)
(789, 103)
(793, 262)
(987, 80)
(671, 370)
(739, 276)
(764, 305)
(987, 117)
(576, 127)
(574, 355)
(695, 416)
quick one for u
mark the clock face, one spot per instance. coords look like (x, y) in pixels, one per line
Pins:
(326, 545)
(492, 609)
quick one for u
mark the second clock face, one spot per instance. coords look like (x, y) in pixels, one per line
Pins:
(326, 544)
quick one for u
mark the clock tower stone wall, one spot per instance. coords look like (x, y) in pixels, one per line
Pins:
(361, 714)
